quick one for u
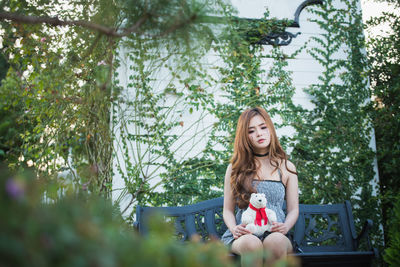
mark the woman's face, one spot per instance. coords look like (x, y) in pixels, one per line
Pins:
(259, 134)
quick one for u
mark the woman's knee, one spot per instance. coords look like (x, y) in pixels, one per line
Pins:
(247, 243)
(278, 244)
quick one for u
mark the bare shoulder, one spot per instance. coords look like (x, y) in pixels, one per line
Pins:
(228, 172)
(286, 165)
(290, 166)
(228, 197)
(229, 168)
(289, 171)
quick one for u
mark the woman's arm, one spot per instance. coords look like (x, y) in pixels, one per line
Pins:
(229, 208)
(292, 201)
(292, 197)
(229, 203)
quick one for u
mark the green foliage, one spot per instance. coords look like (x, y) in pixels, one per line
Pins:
(10, 141)
(59, 81)
(331, 148)
(3, 67)
(59, 96)
(150, 130)
(384, 61)
(85, 230)
(191, 88)
(174, 23)
(392, 252)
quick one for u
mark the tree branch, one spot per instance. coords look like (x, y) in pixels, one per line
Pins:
(54, 21)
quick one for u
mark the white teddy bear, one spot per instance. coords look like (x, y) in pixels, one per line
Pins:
(257, 217)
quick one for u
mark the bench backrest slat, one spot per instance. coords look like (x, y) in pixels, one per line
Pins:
(351, 219)
(210, 222)
(190, 224)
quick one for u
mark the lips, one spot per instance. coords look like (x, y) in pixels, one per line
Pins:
(261, 141)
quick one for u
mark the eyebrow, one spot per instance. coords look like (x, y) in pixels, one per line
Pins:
(258, 125)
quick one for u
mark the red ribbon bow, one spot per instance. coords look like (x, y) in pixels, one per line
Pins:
(260, 214)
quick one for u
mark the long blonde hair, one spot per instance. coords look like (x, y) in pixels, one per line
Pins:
(244, 166)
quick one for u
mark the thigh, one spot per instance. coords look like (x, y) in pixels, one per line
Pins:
(278, 240)
(246, 243)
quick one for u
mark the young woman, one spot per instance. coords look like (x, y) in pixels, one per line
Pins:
(259, 164)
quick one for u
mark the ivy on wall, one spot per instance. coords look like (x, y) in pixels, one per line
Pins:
(153, 171)
(165, 82)
(332, 145)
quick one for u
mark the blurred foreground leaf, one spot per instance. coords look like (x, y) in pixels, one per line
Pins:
(84, 230)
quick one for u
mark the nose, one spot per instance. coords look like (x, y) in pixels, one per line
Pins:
(259, 200)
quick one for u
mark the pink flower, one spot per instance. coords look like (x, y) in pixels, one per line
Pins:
(43, 39)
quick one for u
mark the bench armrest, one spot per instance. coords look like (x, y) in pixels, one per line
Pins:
(364, 234)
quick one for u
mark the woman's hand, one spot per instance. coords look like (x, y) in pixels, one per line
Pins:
(279, 227)
(239, 230)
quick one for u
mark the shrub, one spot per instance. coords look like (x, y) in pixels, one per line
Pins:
(392, 253)
(84, 230)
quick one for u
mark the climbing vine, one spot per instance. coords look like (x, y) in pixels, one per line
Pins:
(238, 81)
(332, 144)
(164, 85)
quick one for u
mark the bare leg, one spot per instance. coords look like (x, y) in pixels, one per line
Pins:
(250, 248)
(278, 246)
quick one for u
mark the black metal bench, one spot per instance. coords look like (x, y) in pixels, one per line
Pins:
(324, 234)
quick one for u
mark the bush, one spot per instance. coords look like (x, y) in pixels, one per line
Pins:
(392, 253)
(83, 230)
